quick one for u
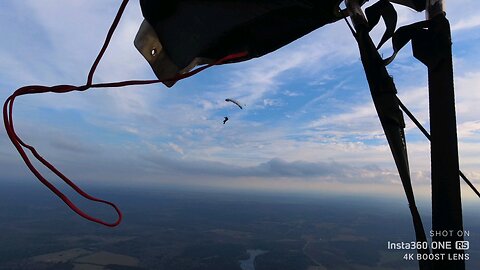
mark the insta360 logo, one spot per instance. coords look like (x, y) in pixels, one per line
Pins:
(462, 245)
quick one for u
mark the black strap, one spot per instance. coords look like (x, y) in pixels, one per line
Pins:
(382, 9)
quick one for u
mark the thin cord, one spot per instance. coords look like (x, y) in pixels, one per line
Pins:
(36, 89)
(348, 23)
(429, 137)
(107, 41)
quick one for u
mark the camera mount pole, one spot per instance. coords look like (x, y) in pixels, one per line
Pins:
(446, 194)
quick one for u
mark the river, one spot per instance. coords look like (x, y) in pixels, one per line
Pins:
(248, 264)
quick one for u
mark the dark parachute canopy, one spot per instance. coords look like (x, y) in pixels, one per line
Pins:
(176, 35)
(235, 102)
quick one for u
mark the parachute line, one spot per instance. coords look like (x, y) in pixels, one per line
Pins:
(427, 135)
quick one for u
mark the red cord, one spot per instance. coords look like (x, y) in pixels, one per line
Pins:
(35, 89)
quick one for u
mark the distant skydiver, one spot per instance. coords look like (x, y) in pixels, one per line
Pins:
(225, 120)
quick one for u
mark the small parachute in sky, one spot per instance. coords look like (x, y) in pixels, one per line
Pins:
(234, 101)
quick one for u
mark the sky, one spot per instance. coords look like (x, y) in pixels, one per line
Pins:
(308, 123)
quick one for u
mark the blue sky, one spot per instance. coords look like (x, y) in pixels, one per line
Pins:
(308, 125)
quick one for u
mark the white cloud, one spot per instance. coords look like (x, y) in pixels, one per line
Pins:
(291, 93)
(468, 23)
(176, 148)
(267, 102)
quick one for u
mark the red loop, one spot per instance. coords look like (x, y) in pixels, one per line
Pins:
(36, 89)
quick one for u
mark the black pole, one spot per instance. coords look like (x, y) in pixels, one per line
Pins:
(446, 197)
